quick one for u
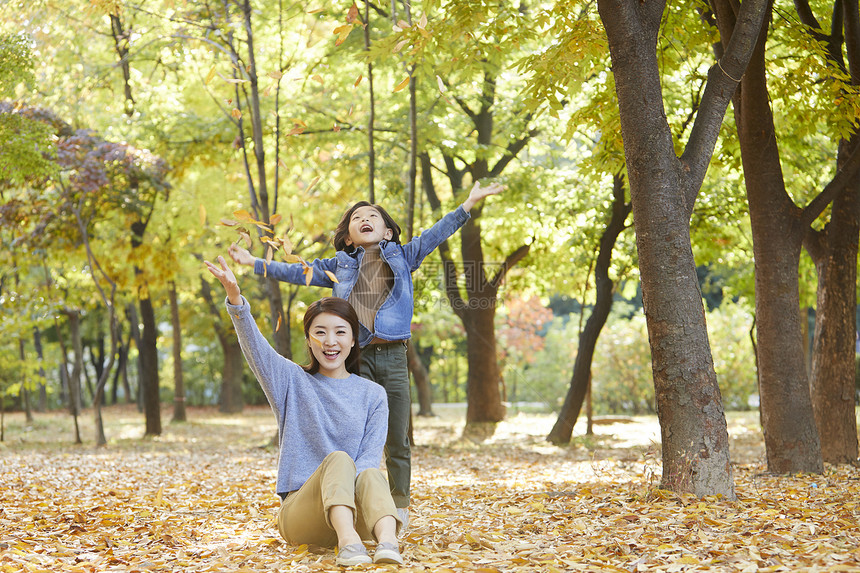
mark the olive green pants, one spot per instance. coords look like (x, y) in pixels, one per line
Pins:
(386, 365)
(303, 517)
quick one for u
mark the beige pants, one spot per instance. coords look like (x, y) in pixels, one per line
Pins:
(303, 517)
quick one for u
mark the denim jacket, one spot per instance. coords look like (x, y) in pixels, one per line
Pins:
(394, 319)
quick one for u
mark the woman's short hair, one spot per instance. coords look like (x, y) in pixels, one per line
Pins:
(341, 232)
(338, 307)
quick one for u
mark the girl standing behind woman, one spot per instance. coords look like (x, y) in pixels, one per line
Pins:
(331, 425)
(374, 273)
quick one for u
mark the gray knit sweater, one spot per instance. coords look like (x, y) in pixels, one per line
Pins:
(316, 415)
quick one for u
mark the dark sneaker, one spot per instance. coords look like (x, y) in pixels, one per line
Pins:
(387, 553)
(354, 554)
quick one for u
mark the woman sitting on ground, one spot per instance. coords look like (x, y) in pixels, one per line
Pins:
(332, 425)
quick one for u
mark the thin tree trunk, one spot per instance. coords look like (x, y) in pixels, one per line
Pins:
(42, 403)
(563, 429)
(178, 382)
(77, 366)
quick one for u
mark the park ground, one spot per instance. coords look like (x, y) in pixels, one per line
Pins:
(200, 498)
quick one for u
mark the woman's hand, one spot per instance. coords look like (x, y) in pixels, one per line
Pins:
(228, 280)
(240, 255)
(477, 193)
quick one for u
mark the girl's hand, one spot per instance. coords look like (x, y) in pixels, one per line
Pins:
(227, 279)
(240, 255)
(477, 193)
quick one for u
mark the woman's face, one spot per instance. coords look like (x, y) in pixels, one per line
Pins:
(331, 340)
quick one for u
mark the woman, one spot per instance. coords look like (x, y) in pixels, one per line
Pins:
(332, 425)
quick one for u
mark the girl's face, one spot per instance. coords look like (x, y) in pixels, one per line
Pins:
(331, 340)
(367, 227)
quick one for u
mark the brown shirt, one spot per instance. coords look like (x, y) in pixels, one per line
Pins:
(374, 282)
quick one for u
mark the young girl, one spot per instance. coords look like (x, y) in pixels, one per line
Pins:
(374, 273)
(332, 425)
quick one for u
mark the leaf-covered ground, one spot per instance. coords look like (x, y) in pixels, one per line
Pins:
(199, 498)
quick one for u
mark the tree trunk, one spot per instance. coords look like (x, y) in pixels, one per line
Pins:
(791, 438)
(834, 250)
(663, 191)
(77, 367)
(482, 382)
(581, 378)
(25, 394)
(149, 364)
(42, 403)
(231, 399)
(832, 382)
(421, 379)
(134, 334)
(178, 382)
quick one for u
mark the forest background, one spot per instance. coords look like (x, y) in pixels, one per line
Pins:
(139, 139)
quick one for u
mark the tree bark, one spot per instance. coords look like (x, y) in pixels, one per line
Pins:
(421, 379)
(149, 363)
(178, 381)
(834, 251)
(231, 399)
(581, 378)
(77, 367)
(778, 229)
(663, 191)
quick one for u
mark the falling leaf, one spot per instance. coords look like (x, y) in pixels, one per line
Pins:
(441, 84)
(235, 80)
(229, 222)
(331, 276)
(342, 32)
(335, 128)
(316, 10)
(352, 14)
(422, 23)
(282, 163)
(270, 253)
(287, 246)
(308, 271)
(293, 259)
(247, 238)
(243, 215)
(202, 211)
(209, 76)
(313, 183)
(402, 84)
(403, 24)
(297, 130)
(358, 81)
(275, 75)
(236, 113)
(318, 78)
(399, 45)
(275, 219)
(278, 326)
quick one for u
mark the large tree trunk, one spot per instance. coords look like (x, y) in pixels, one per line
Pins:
(834, 251)
(42, 403)
(581, 378)
(483, 392)
(833, 354)
(791, 438)
(663, 191)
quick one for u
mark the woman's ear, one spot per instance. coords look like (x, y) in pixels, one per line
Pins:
(388, 234)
